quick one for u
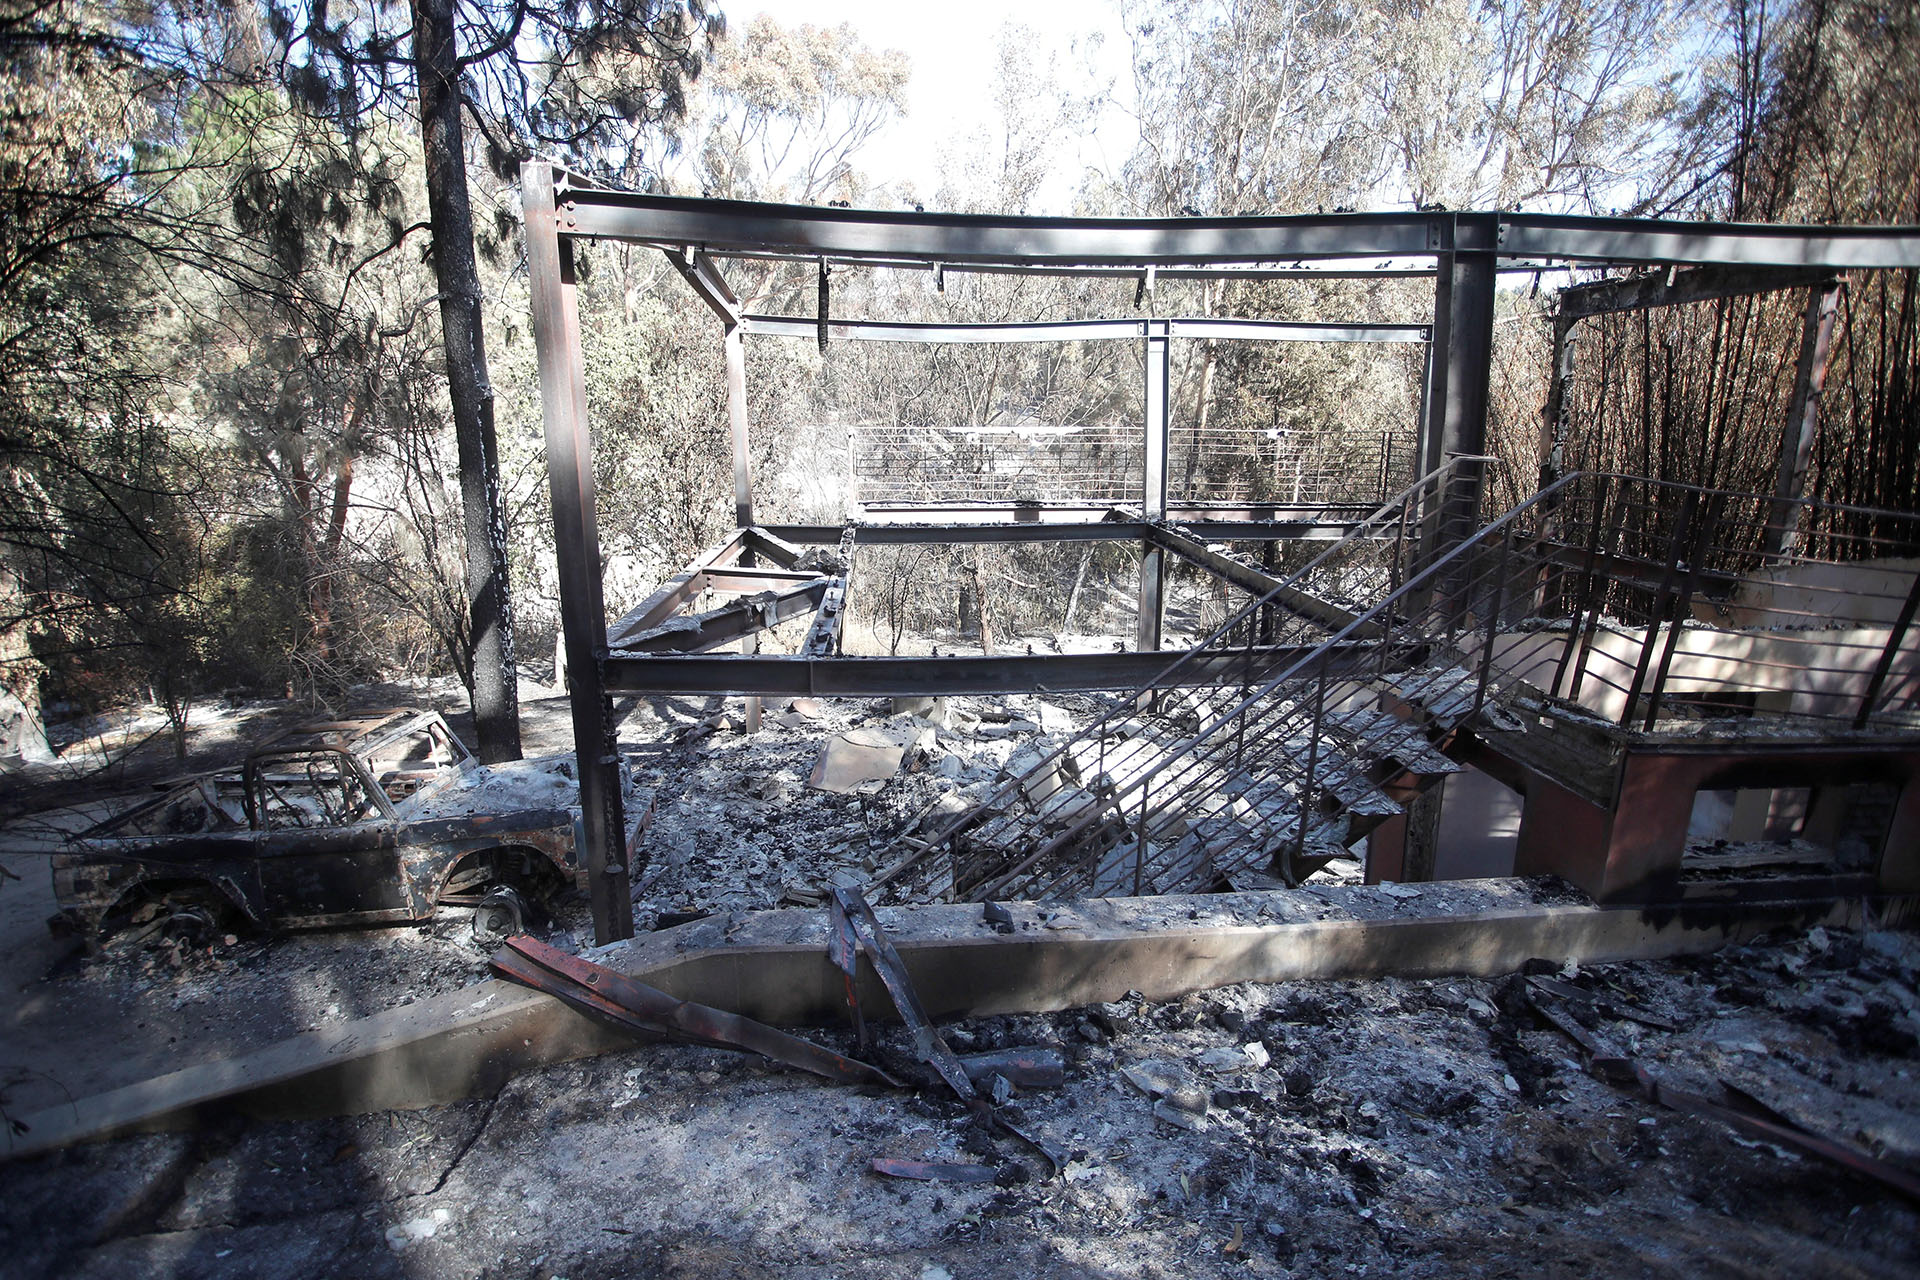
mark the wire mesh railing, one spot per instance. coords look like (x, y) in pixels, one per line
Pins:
(1252, 465)
(1084, 463)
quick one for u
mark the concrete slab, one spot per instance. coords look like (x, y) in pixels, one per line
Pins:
(773, 966)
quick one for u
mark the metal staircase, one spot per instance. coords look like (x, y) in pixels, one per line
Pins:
(1419, 630)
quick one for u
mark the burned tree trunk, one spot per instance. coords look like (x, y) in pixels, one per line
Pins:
(496, 709)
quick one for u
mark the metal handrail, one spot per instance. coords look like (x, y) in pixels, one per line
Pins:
(1244, 740)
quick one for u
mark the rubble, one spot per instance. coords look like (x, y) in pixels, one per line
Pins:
(1428, 1127)
(1381, 1134)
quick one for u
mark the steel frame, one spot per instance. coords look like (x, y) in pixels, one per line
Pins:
(1464, 252)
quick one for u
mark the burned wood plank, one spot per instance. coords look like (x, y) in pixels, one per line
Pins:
(933, 1171)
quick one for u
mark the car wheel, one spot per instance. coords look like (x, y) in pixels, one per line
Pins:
(195, 925)
(500, 915)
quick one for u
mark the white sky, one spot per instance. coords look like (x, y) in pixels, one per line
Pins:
(952, 52)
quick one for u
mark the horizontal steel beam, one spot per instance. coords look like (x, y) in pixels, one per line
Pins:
(808, 328)
(857, 234)
(756, 579)
(1666, 289)
(1314, 331)
(1323, 269)
(1251, 530)
(744, 674)
(890, 331)
(1577, 239)
(725, 225)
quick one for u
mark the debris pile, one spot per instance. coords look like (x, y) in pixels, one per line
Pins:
(814, 800)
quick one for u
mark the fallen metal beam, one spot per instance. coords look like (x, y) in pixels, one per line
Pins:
(634, 1006)
(701, 632)
(672, 596)
(773, 967)
(877, 677)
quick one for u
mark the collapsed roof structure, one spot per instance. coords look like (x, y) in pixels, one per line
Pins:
(1608, 647)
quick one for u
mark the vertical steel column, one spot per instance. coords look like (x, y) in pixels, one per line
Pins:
(1459, 369)
(1553, 414)
(1153, 564)
(576, 540)
(737, 417)
(1803, 420)
(736, 349)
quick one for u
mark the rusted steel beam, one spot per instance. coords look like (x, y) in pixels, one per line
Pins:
(1669, 288)
(552, 291)
(701, 632)
(612, 996)
(672, 596)
(881, 677)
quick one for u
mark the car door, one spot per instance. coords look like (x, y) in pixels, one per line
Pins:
(330, 844)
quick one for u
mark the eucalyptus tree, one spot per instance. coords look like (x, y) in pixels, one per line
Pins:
(575, 79)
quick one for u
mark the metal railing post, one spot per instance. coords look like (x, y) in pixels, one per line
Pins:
(1140, 842)
(1894, 639)
(1663, 599)
(1313, 762)
(1594, 527)
(1682, 605)
(1493, 619)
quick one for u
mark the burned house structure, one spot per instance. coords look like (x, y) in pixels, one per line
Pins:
(1608, 646)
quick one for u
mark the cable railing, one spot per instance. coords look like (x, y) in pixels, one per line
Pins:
(1635, 607)
(1074, 793)
(1680, 604)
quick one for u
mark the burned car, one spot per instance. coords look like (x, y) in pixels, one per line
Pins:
(381, 819)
